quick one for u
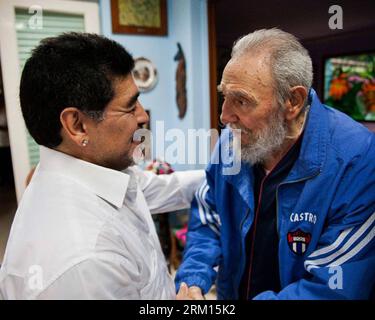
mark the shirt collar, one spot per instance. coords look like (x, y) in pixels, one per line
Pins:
(111, 185)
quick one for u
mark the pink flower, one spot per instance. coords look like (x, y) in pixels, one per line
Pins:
(181, 235)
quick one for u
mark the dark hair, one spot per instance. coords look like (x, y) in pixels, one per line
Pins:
(71, 70)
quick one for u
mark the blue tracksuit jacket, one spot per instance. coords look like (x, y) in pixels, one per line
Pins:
(325, 217)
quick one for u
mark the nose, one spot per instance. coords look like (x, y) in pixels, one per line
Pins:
(142, 116)
(227, 114)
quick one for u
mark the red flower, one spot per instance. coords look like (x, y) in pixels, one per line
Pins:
(368, 89)
(339, 86)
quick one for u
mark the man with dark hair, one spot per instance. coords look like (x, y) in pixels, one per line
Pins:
(83, 229)
(298, 220)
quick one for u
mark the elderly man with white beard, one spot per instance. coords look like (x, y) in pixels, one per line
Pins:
(297, 221)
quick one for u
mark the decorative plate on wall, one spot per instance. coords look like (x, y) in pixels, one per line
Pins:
(145, 74)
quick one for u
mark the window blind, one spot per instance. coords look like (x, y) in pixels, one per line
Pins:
(28, 38)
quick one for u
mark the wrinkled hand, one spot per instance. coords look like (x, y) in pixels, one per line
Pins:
(195, 293)
(183, 293)
(189, 293)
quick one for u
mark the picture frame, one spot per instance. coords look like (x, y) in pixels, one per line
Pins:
(349, 84)
(146, 18)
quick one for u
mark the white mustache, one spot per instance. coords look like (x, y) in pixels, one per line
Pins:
(234, 127)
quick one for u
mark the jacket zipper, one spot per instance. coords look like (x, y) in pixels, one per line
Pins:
(255, 222)
(277, 209)
(242, 247)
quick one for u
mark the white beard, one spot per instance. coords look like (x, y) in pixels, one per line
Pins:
(265, 142)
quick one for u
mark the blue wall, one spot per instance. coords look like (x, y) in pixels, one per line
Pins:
(187, 24)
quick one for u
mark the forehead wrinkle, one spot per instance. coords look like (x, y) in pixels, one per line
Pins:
(251, 73)
(260, 63)
(233, 90)
(260, 82)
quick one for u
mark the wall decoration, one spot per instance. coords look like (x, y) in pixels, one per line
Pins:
(148, 17)
(349, 85)
(145, 74)
(181, 96)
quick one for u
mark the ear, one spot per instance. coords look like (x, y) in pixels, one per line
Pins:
(295, 103)
(74, 123)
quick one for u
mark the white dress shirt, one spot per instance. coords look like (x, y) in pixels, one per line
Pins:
(83, 231)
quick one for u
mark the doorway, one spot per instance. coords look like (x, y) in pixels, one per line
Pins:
(8, 201)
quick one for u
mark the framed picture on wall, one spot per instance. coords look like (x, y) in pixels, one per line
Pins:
(146, 17)
(349, 85)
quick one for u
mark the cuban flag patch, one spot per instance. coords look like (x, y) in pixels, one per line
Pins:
(298, 241)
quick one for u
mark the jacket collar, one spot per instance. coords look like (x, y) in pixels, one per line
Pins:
(111, 185)
(314, 142)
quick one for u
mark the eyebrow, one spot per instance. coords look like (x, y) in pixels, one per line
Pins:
(237, 93)
(241, 95)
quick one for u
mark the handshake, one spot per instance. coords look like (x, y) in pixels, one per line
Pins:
(189, 293)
